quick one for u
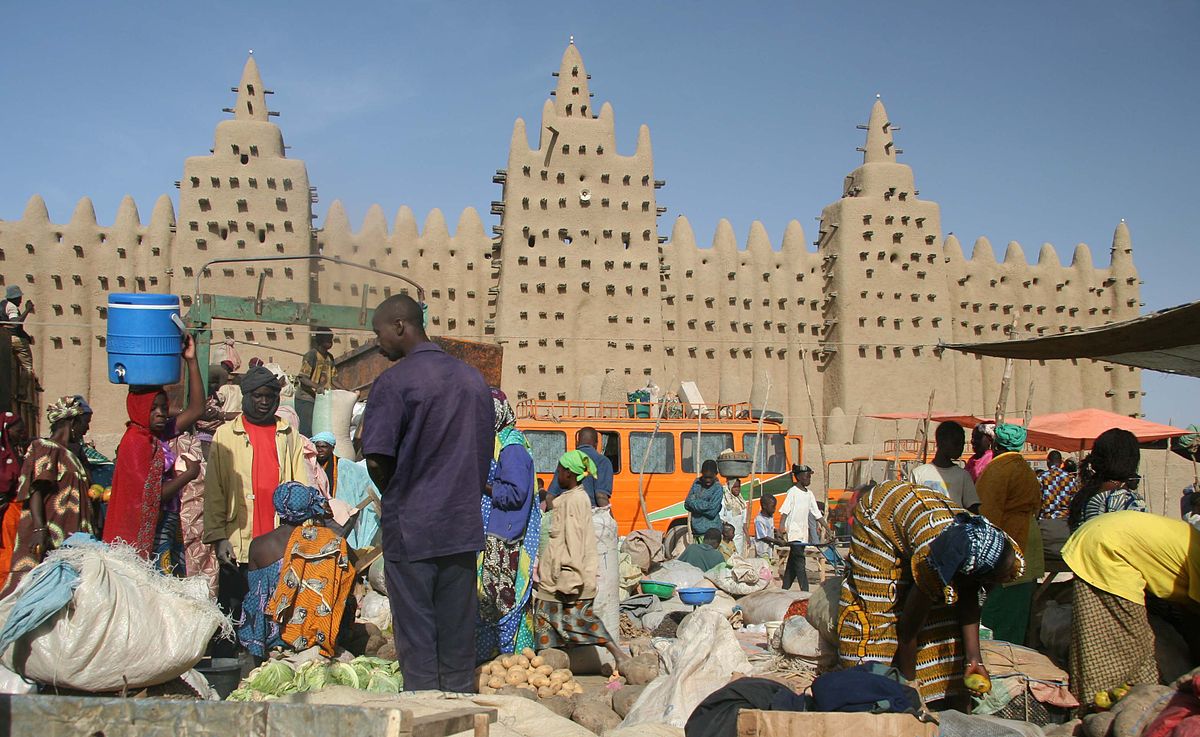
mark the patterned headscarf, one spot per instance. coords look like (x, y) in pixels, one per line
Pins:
(1010, 437)
(64, 409)
(578, 463)
(971, 546)
(296, 503)
(504, 411)
(987, 428)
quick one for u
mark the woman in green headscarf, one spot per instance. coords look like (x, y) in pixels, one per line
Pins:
(567, 567)
(1010, 496)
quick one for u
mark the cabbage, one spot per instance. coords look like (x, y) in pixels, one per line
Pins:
(383, 682)
(364, 672)
(311, 676)
(244, 693)
(344, 674)
(273, 677)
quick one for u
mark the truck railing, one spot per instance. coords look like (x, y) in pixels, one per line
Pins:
(557, 410)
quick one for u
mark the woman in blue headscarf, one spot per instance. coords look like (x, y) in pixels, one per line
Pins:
(295, 504)
(512, 524)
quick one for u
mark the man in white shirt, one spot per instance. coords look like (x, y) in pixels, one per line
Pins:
(800, 514)
(943, 475)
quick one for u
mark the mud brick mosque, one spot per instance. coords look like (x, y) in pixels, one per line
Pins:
(588, 296)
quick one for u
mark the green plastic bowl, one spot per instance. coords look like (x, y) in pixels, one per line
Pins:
(660, 589)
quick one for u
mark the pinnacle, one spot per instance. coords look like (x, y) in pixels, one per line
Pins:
(879, 147)
(571, 96)
(251, 97)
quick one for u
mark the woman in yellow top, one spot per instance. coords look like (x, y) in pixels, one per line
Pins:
(1120, 559)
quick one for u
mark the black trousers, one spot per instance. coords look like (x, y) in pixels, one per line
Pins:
(232, 587)
(434, 605)
(797, 569)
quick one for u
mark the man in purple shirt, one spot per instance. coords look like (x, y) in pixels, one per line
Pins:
(428, 441)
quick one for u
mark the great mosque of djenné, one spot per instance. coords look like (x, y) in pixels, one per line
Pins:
(588, 298)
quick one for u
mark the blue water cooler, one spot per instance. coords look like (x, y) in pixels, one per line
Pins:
(145, 339)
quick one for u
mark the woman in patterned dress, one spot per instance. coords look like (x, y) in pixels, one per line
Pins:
(911, 594)
(52, 490)
(1109, 478)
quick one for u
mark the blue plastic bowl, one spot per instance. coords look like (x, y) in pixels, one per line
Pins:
(696, 596)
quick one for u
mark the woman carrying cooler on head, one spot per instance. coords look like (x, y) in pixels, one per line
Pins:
(512, 530)
(911, 594)
(52, 491)
(568, 567)
(12, 455)
(145, 491)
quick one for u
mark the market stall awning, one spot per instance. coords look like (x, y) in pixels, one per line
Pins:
(1166, 341)
(1075, 430)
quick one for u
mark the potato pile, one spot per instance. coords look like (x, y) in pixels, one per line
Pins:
(529, 671)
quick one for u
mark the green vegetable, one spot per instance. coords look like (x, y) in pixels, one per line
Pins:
(383, 682)
(273, 677)
(344, 674)
(311, 676)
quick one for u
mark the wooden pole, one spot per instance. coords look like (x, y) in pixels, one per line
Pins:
(1002, 401)
(1029, 405)
(1167, 468)
(925, 428)
(812, 407)
(645, 458)
(748, 522)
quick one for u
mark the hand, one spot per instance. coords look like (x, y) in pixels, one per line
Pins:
(977, 685)
(223, 549)
(28, 307)
(189, 348)
(39, 544)
(191, 468)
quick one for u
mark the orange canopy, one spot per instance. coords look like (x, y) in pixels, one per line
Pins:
(1069, 431)
(1074, 431)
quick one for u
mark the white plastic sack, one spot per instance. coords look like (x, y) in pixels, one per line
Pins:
(824, 608)
(798, 637)
(683, 575)
(341, 412)
(11, 683)
(608, 570)
(769, 605)
(701, 660)
(126, 625)
(376, 609)
(741, 576)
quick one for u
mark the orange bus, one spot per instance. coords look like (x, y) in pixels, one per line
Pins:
(671, 454)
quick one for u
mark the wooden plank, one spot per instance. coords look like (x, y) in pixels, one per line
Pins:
(71, 716)
(451, 722)
(754, 723)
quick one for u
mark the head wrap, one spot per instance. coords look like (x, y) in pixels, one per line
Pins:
(504, 412)
(578, 463)
(87, 408)
(324, 437)
(296, 503)
(256, 378)
(12, 292)
(137, 478)
(987, 428)
(970, 545)
(255, 362)
(1010, 437)
(64, 409)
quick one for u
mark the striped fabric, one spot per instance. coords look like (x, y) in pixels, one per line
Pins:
(893, 528)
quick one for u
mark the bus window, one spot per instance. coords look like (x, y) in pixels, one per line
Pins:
(547, 447)
(610, 448)
(773, 458)
(711, 445)
(661, 458)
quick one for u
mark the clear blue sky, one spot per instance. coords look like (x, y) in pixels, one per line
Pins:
(1027, 121)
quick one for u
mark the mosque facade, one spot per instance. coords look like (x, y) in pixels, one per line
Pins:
(588, 296)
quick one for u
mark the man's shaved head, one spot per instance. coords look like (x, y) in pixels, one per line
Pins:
(398, 326)
(587, 436)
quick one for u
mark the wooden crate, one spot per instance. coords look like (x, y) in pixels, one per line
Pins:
(753, 723)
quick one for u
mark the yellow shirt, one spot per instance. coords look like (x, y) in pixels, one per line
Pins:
(1129, 554)
(228, 488)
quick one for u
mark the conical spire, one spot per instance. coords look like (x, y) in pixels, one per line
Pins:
(1015, 254)
(682, 236)
(952, 249)
(35, 210)
(880, 147)
(571, 97)
(251, 97)
(1122, 248)
(1048, 256)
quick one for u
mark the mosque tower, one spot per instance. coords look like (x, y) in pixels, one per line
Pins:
(246, 199)
(577, 220)
(881, 264)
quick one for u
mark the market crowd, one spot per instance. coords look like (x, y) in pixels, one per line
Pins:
(248, 486)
